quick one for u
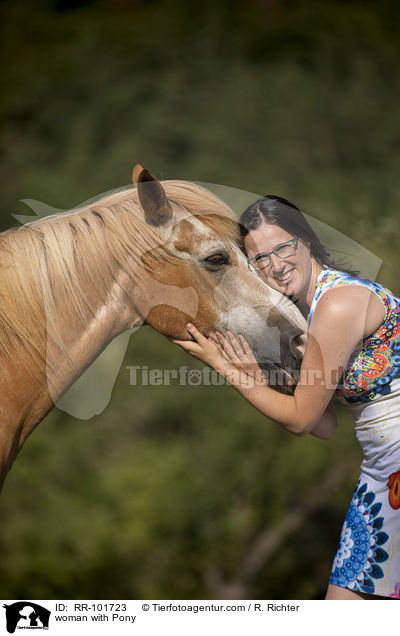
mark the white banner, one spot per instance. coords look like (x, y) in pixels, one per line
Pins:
(176, 618)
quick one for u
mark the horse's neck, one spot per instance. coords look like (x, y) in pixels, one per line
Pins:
(30, 390)
(111, 318)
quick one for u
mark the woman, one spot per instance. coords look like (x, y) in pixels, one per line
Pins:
(353, 335)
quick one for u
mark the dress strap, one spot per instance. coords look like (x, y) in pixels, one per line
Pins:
(319, 290)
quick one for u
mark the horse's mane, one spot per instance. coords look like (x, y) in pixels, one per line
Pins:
(65, 264)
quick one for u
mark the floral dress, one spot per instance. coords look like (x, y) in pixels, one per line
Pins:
(368, 557)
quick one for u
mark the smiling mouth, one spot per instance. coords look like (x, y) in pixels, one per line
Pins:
(285, 278)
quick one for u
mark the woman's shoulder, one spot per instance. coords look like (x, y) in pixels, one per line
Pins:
(356, 301)
(340, 293)
(342, 300)
(330, 279)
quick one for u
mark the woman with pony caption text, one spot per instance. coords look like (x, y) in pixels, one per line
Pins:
(353, 337)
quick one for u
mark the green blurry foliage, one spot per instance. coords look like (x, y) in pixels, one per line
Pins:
(167, 486)
(169, 491)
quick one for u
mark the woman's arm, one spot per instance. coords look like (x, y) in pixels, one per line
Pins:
(326, 427)
(337, 328)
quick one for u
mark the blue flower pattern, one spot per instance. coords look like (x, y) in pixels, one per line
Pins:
(360, 552)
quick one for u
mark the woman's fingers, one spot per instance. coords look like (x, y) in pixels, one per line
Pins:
(246, 347)
(236, 345)
(232, 345)
(188, 345)
(195, 333)
(233, 349)
(238, 351)
(221, 349)
(206, 349)
(227, 347)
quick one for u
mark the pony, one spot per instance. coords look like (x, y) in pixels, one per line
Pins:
(156, 253)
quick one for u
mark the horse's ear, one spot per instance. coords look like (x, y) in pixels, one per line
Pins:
(136, 172)
(156, 207)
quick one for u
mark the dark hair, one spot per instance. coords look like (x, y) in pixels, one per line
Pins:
(278, 211)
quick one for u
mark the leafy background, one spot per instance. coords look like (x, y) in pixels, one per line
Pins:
(186, 491)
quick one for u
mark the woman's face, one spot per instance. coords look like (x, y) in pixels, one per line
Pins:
(290, 275)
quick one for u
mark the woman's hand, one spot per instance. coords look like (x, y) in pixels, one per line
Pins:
(205, 349)
(237, 350)
(223, 352)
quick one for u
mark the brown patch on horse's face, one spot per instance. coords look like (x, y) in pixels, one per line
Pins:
(187, 272)
(184, 237)
(168, 319)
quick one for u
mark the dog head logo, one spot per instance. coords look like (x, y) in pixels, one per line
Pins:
(26, 615)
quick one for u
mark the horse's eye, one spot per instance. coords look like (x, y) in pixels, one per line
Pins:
(216, 260)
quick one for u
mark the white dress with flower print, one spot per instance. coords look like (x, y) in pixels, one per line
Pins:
(368, 557)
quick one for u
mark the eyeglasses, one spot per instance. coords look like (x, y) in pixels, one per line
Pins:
(282, 251)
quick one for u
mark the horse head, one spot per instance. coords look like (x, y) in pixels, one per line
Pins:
(199, 256)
